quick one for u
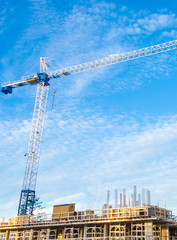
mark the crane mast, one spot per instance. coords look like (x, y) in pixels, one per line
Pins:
(27, 197)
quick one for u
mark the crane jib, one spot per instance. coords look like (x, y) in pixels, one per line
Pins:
(108, 60)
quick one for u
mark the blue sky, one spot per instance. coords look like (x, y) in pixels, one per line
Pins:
(109, 128)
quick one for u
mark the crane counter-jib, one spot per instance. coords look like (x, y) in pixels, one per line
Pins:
(29, 80)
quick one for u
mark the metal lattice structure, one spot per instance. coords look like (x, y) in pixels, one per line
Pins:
(27, 197)
(108, 60)
(115, 59)
(28, 191)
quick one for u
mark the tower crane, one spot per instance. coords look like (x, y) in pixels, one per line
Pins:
(27, 197)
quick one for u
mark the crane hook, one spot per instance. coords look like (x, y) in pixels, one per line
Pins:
(53, 98)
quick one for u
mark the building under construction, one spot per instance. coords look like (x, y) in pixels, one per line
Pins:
(134, 219)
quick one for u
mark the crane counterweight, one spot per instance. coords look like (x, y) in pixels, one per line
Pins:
(6, 90)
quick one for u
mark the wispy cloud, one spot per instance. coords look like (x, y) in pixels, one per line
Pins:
(67, 199)
(110, 156)
(156, 22)
(104, 144)
(85, 148)
(3, 16)
(142, 23)
(170, 34)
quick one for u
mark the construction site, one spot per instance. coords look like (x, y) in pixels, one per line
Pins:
(130, 218)
(137, 220)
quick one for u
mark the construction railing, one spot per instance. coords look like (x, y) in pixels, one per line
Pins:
(90, 215)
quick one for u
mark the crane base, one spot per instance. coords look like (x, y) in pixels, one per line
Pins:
(26, 203)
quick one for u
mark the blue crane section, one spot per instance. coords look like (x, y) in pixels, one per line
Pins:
(29, 80)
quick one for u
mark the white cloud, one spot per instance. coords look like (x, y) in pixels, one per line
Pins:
(144, 24)
(3, 16)
(171, 34)
(67, 199)
(123, 8)
(156, 22)
(87, 153)
(91, 154)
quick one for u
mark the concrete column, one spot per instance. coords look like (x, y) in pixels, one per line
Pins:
(148, 230)
(85, 232)
(7, 234)
(81, 233)
(105, 230)
(63, 232)
(120, 200)
(48, 233)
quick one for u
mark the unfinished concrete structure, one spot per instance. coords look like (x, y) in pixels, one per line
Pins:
(121, 223)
